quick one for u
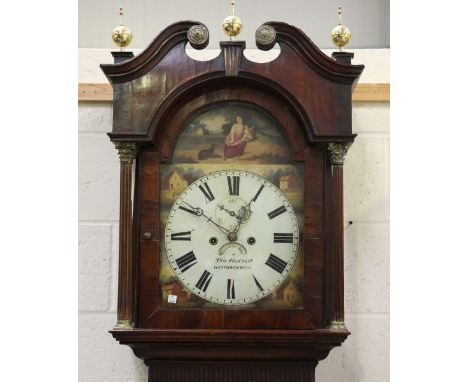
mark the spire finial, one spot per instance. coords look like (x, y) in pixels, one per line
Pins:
(340, 34)
(340, 15)
(121, 15)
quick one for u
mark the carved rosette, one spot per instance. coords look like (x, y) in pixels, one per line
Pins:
(198, 36)
(265, 37)
(127, 151)
(336, 153)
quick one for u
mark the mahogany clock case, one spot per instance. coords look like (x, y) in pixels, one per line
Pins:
(309, 94)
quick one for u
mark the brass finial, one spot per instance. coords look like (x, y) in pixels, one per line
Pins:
(232, 25)
(340, 34)
(121, 35)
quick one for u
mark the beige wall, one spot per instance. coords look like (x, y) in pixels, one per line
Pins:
(364, 357)
(369, 20)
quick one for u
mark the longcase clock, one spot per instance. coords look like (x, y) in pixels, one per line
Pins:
(231, 212)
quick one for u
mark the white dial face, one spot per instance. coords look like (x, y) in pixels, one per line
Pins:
(231, 237)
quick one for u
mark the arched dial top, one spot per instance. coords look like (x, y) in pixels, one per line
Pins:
(231, 237)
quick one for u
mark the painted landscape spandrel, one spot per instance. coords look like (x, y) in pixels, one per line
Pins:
(232, 132)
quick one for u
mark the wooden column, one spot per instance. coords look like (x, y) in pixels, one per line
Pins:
(125, 305)
(336, 153)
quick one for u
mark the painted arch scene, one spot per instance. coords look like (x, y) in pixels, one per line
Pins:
(232, 132)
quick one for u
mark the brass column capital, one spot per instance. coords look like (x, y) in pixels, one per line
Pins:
(336, 153)
(127, 151)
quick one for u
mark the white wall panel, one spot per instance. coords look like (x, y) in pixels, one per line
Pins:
(367, 19)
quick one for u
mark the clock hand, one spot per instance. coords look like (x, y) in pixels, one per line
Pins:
(221, 207)
(199, 212)
(224, 230)
(242, 216)
(245, 212)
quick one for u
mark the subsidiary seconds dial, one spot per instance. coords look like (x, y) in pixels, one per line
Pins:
(231, 237)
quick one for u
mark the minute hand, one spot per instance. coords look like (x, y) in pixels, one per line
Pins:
(244, 213)
(201, 213)
(242, 216)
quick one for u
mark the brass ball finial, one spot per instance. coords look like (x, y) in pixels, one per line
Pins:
(232, 25)
(340, 34)
(121, 35)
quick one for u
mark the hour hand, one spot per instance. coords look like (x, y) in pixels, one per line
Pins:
(222, 208)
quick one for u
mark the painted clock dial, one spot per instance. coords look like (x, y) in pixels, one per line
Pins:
(231, 237)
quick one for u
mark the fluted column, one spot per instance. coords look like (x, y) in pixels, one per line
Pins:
(125, 304)
(336, 153)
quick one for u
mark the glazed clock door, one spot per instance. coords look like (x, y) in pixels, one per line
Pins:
(231, 214)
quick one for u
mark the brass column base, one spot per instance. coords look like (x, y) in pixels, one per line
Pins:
(124, 324)
(337, 326)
